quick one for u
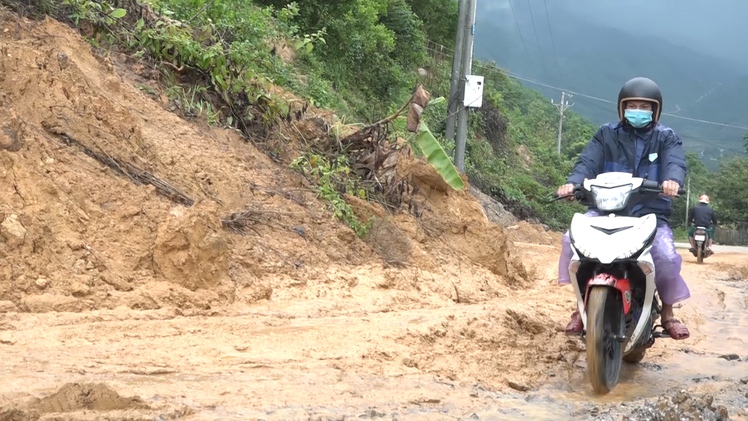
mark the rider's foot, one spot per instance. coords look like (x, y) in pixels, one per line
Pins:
(692, 249)
(575, 326)
(676, 329)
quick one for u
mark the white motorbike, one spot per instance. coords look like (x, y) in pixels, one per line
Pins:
(613, 274)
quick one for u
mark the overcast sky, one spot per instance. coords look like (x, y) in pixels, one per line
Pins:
(718, 26)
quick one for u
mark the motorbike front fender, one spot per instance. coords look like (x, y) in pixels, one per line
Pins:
(622, 285)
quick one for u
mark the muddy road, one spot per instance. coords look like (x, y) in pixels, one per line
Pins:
(341, 359)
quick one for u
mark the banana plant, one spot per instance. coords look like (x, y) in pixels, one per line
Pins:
(437, 157)
(427, 143)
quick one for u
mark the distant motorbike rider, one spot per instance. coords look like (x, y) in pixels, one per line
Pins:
(639, 145)
(702, 215)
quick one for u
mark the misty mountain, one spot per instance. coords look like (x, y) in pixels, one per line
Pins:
(717, 28)
(572, 47)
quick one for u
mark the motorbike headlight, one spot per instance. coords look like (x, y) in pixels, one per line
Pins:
(611, 198)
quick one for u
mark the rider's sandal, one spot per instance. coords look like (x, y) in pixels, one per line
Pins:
(575, 326)
(676, 329)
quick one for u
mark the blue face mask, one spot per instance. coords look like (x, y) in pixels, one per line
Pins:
(638, 118)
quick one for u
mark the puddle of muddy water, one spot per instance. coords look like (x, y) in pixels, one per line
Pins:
(423, 398)
(649, 379)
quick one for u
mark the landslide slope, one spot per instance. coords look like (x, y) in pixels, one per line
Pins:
(107, 199)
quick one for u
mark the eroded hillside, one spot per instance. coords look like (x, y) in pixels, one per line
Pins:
(111, 200)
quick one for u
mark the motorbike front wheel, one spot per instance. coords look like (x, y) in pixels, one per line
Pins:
(603, 348)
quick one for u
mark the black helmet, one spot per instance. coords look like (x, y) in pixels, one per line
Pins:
(641, 89)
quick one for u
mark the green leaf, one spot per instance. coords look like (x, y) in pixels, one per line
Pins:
(309, 47)
(118, 13)
(438, 159)
(435, 101)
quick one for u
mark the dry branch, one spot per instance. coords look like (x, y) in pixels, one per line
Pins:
(238, 222)
(373, 154)
(138, 175)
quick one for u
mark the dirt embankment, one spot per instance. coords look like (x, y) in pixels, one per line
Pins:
(109, 200)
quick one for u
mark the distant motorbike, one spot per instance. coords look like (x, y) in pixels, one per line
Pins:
(701, 251)
(614, 273)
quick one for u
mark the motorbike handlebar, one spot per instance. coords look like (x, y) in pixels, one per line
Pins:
(647, 186)
(654, 187)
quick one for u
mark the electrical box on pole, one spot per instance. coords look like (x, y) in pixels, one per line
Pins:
(473, 91)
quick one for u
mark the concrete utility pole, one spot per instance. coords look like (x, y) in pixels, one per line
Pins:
(467, 69)
(688, 198)
(562, 106)
(453, 104)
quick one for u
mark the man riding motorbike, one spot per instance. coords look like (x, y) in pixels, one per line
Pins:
(639, 145)
(702, 215)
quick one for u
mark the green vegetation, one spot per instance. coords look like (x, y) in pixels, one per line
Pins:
(362, 59)
(330, 176)
(363, 64)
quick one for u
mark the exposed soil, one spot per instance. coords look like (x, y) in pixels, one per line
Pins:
(123, 296)
(80, 235)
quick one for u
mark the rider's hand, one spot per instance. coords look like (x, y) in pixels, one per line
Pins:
(566, 190)
(670, 188)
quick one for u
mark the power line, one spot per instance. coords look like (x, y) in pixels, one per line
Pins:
(607, 101)
(698, 120)
(692, 138)
(535, 31)
(553, 43)
(439, 49)
(516, 22)
(711, 143)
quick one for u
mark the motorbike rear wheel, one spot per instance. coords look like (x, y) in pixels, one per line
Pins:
(603, 349)
(700, 253)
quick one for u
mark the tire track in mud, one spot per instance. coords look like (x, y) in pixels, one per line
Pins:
(319, 360)
(704, 378)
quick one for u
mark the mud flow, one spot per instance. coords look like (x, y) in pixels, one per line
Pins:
(128, 291)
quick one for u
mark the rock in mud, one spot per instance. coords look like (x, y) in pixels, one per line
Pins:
(730, 357)
(680, 405)
(190, 249)
(13, 231)
(45, 303)
(69, 398)
(518, 386)
(7, 307)
(41, 283)
(11, 130)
